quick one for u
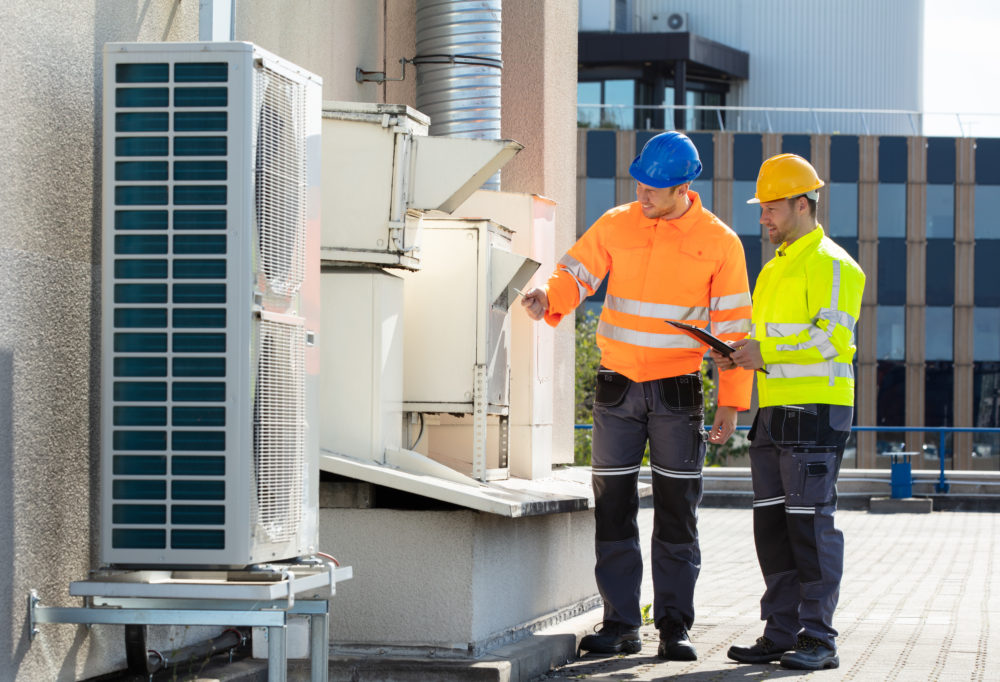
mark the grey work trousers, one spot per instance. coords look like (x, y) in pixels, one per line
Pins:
(668, 413)
(795, 456)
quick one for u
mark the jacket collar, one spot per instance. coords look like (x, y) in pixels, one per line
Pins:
(804, 242)
(683, 223)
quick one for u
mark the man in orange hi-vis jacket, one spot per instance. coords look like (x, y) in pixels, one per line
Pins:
(667, 258)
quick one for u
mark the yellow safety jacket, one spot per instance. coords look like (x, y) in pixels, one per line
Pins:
(805, 305)
(690, 269)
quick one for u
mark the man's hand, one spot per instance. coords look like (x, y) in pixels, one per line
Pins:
(723, 362)
(535, 303)
(724, 425)
(747, 354)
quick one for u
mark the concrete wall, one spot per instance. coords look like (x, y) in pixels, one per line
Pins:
(454, 580)
(50, 96)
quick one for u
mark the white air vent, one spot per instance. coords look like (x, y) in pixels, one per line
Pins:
(210, 176)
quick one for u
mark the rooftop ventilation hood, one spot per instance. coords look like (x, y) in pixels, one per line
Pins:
(381, 172)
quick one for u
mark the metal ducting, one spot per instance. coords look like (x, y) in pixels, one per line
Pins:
(458, 68)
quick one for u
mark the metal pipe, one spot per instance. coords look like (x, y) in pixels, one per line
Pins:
(458, 68)
(228, 640)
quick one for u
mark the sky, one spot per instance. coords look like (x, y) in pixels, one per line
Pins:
(962, 67)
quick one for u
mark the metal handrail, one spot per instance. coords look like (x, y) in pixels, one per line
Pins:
(911, 114)
(942, 485)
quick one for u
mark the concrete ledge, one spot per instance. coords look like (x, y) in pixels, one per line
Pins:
(902, 505)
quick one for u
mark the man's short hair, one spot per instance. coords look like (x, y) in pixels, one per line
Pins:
(811, 200)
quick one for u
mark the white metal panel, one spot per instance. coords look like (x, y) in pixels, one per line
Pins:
(361, 391)
(442, 334)
(532, 219)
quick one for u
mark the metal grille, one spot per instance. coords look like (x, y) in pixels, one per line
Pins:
(279, 430)
(280, 182)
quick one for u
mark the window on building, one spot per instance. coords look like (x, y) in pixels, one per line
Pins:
(939, 331)
(746, 217)
(891, 342)
(987, 220)
(892, 210)
(617, 97)
(986, 334)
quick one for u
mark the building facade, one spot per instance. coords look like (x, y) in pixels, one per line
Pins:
(920, 215)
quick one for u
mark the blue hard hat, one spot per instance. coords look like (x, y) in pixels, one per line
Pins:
(667, 160)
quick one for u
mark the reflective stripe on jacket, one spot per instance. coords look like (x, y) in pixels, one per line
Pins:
(805, 305)
(690, 269)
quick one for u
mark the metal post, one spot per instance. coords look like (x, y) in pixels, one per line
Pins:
(319, 646)
(215, 20)
(277, 659)
(942, 484)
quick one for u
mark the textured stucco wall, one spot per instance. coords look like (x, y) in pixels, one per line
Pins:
(50, 90)
(49, 329)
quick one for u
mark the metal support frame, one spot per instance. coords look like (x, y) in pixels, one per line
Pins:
(115, 601)
(479, 400)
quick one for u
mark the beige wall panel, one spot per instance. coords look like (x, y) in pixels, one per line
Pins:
(539, 111)
(625, 152)
(318, 40)
(398, 41)
(820, 151)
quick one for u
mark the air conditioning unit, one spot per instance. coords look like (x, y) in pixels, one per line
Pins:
(669, 22)
(210, 306)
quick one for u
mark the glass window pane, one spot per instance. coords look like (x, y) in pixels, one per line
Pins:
(891, 343)
(939, 321)
(621, 94)
(704, 190)
(588, 95)
(892, 210)
(940, 211)
(746, 217)
(843, 210)
(987, 211)
(986, 335)
(599, 198)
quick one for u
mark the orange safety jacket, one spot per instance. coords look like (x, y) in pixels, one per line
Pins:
(691, 269)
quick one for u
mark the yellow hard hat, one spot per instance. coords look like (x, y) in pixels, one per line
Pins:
(785, 176)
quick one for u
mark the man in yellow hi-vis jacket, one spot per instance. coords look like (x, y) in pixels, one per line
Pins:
(805, 305)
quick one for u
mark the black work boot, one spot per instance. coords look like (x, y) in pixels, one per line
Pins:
(810, 654)
(763, 651)
(613, 638)
(674, 642)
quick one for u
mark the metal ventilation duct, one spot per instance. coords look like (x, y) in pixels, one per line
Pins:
(458, 68)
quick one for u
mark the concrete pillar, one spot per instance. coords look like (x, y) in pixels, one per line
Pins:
(722, 186)
(819, 149)
(625, 152)
(867, 329)
(916, 298)
(770, 145)
(965, 196)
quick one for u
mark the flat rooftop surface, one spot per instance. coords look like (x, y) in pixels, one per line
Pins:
(920, 600)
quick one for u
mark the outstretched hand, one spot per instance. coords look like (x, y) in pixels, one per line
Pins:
(535, 303)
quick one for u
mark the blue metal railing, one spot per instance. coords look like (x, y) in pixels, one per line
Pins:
(942, 485)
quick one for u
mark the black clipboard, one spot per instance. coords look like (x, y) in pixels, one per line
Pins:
(704, 336)
(707, 338)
